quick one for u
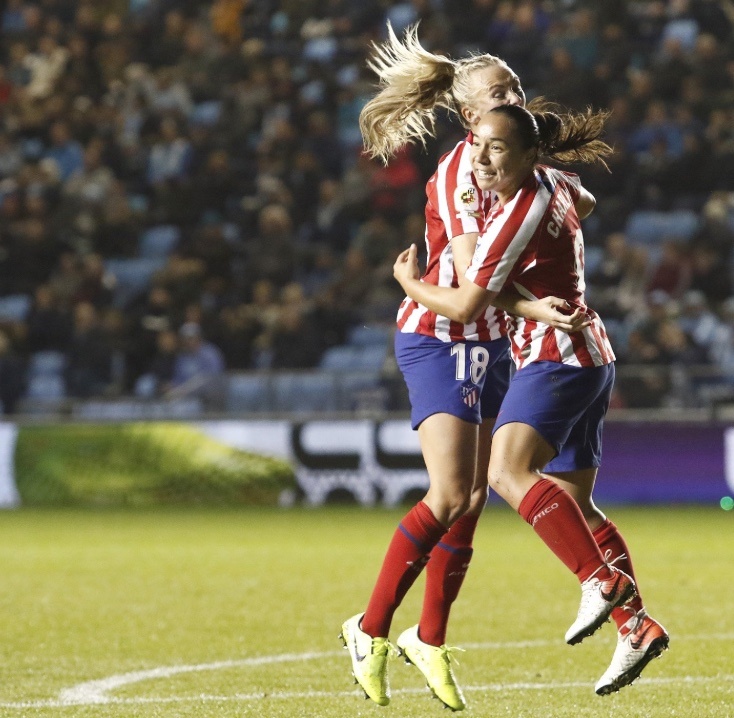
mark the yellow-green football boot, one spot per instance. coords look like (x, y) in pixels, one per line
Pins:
(435, 664)
(369, 659)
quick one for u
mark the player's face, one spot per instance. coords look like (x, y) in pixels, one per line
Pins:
(499, 160)
(494, 86)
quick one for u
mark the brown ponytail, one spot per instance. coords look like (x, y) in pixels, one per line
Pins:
(561, 135)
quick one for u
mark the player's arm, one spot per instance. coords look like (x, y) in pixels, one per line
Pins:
(468, 301)
(549, 310)
(462, 304)
(462, 247)
(585, 203)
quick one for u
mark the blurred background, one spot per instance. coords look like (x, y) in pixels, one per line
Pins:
(188, 227)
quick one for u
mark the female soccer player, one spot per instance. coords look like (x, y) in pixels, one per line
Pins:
(457, 373)
(553, 412)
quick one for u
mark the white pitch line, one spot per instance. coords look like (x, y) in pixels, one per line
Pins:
(96, 692)
(293, 695)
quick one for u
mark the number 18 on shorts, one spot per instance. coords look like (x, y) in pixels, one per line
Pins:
(465, 379)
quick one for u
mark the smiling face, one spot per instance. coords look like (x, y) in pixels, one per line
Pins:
(491, 87)
(500, 160)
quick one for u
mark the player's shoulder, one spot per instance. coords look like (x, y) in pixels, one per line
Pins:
(457, 153)
(552, 176)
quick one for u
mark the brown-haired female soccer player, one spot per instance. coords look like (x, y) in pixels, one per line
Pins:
(546, 446)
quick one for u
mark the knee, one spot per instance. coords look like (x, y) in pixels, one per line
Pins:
(457, 507)
(448, 507)
(593, 517)
(498, 481)
(478, 498)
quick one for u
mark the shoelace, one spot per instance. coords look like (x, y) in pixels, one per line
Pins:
(607, 562)
(450, 651)
(381, 646)
(639, 620)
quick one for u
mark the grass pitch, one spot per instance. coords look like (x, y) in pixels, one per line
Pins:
(235, 613)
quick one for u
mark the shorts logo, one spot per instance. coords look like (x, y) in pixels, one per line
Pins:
(469, 394)
(543, 513)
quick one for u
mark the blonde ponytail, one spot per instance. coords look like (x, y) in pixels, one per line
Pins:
(414, 82)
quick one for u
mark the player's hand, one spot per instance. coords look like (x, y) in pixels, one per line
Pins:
(406, 265)
(555, 313)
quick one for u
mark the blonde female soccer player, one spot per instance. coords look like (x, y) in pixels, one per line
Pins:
(457, 373)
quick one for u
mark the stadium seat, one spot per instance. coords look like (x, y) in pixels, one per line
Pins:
(146, 386)
(593, 257)
(139, 203)
(133, 276)
(45, 386)
(206, 113)
(46, 363)
(339, 358)
(15, 307)
(359, 389)
(646, 227)
(305, 391)
(371, 357)
(369, 334)
(248, 392)
(159, 241)
(32, 148)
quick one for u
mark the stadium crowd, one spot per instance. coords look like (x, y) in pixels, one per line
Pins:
(214, 148)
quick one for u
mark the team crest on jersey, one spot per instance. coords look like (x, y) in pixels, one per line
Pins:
(469, 394)
(466, 199)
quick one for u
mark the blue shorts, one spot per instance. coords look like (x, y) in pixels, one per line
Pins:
(565, 405)
(465, 379)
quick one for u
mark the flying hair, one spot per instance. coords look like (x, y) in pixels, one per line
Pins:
(414, 83)
(563, 136)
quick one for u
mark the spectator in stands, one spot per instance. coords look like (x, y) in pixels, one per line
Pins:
(89, 365)
(45, 65)
(676, 347)
(698, 321)
(170, 157)
(90, 184)
(273, 252)
(65, 151)
(12, 375)
(103, 132)
(294, 344)
(671, 274)
(49, 323)
(198, 362)
(158, 377)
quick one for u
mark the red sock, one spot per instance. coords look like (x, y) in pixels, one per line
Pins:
(444, 575)
(415, 537)
(608, 538)
(557, 519)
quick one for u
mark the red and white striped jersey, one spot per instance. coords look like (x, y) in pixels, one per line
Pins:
(455, 205)
(534, 243)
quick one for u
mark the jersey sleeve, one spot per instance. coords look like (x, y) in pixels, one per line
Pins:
(458, 198)
(570, 180)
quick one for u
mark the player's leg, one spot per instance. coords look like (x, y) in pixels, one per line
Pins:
(640, 638)
(424, 645)
(541, 407)
(450, 558)
(445, 410)
(449, 449)
(487, 366)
